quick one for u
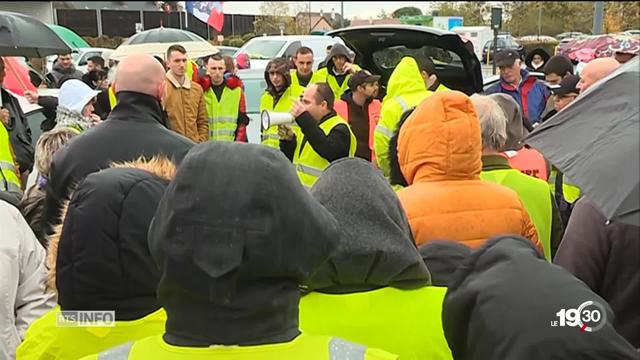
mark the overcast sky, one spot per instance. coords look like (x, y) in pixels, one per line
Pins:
(362, 9)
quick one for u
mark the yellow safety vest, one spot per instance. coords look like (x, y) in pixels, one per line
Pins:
(113, 100)
(323, 75)
(44, 339)
(570, 193)
(534, 194)
(390, 114)
(223, 114)
(404, 322)
(295, 83)
(10, 178)
(308, 163)
(270, 136)
(302, 347)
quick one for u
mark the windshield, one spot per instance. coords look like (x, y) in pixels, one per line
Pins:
(263, 48)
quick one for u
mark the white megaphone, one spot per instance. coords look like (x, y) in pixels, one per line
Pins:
(271, 118)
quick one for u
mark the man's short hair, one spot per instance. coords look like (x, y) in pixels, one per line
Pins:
(176, 47)
(216, 57)
(98, 60)
(304, 50)
(559, 65)
(324, 93)
(493, 121)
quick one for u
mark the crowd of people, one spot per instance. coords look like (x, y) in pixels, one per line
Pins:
(417, 225)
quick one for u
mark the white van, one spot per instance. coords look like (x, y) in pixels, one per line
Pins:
(479, 35)
(261, 49)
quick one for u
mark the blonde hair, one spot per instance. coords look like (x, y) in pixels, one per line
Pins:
(493, 122)
(47, 145)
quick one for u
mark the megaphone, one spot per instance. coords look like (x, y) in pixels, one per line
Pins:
(271, 118)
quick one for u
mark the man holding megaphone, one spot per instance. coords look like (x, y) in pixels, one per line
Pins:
(323, 137)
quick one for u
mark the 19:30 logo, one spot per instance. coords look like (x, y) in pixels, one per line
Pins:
(590, 316)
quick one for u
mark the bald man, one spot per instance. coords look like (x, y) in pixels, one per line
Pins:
(133, 129)
(595, 70)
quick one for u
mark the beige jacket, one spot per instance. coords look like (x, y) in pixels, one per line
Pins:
(186, 109)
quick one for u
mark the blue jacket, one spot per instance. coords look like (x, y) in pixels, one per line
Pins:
(531, 95)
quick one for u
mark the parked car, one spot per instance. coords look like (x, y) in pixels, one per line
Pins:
(81, 56)
(379, 48)
(504, 42)
(570, 35)
(261, 49)
(228, 50)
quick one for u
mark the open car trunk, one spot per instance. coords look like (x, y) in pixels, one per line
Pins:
(380, 48)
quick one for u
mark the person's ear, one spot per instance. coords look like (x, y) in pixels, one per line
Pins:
(431, 80)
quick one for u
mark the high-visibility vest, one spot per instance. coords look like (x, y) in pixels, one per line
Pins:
(323, 75)
(302, 347)
(9, 174)
(270, 136)
(192, 70)
(223, 114)
(295, 82)
(535, 196)
(113, 100)
(342, 108)
(44, 339)
(404, 322)
(570, 193)
(390, 114)
(309, 164)
(528, 161)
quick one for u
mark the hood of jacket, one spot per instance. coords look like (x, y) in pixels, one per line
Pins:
(338, 49)
(405, 79)
(376, 245)
(98, 257)
(515, 127)
(443, 257)
(441, 140)
(509, 273)
(537, 51)
(281, 66)
(234, 236)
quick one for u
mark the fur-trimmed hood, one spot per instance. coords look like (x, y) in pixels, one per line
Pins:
(98, 257)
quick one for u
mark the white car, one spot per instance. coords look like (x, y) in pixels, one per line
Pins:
(81, 56)
(261, 49)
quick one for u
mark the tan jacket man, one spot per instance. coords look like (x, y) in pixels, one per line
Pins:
(184, 101)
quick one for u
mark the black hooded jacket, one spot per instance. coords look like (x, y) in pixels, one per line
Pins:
(503, 299)
(234, 236)
(338, 49)
(133, 129)
(376, 245)
(103, 260)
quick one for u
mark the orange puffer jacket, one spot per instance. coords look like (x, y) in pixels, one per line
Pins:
(439, 151)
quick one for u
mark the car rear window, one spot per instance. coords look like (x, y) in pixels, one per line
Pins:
(389, 57)
(264, 48)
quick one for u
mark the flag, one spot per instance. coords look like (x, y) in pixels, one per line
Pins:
(17, 76)
(207, 11)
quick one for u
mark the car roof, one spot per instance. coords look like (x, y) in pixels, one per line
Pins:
(419, 28)
(291, 37)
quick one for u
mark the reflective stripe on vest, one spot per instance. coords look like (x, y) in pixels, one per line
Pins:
(309, 164)
(270, 136)
(9, 176)
(535, 196)
(223, 114)
(113, 100)
(342, 108)
(117, 353)
(336, 348)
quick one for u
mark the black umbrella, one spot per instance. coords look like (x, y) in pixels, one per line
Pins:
(595, 142)
(163, 35)
(23, 35)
